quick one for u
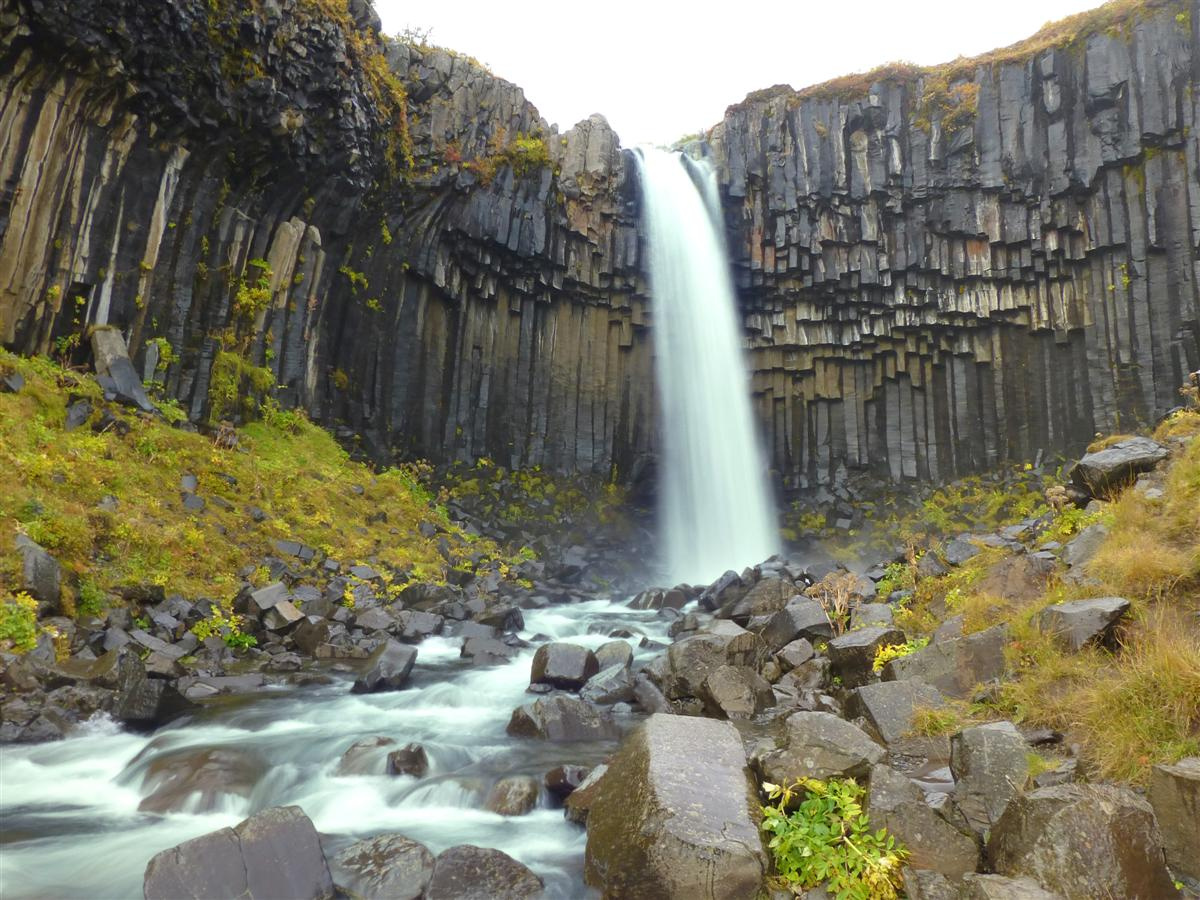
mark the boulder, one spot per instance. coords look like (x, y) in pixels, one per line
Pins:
(614, 653)
(888, 705)
(736, 692)
(486, 651)
(675, 817)
(1099, 474)
(212, 774)
(411, 759)
(958, 551)
(364, 757)
(1081, 622)
(1082, 841)
(803, 617)
(275, 853)
(41, 575)
(388, 865)
(895, 803)
(580, 800)
(561, 665)
(310, 633)
(1175, 795)
(478, 873)
(611, 685)
(561, 781)
(990, 765)
(867, 615)
(560, 717)
(852, 656)
(513, 796)
(794, 654)
(1001, 887)
(957, 666)
(387, 668)
(768, 596)
(1085, 545)
(820, 745)
(415, 625)
(691, 660)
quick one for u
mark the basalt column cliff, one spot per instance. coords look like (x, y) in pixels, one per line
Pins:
(939, 269)
(944, 269)
(437, 273)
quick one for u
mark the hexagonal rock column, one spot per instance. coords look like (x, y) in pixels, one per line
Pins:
(675, 815)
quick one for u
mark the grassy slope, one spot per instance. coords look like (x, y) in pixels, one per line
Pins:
(54, 480)
(1130, 709)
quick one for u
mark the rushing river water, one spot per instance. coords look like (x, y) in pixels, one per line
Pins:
(70, 809)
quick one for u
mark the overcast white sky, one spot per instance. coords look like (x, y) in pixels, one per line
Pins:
(659, 70)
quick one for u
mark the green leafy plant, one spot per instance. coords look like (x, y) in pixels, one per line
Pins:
(888, 652)
(227, 626)
(827, 839)
(18, 622)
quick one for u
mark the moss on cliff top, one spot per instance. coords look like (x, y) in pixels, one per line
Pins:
(1114, 17)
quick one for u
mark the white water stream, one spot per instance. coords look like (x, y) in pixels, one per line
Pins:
(716, 513)
(70, 809)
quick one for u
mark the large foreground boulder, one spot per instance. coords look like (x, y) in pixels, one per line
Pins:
(1081, 622)
(480, 873)
(388, 865)
(675, 815)
(990, 766)
(273, 854)
(1083, 841)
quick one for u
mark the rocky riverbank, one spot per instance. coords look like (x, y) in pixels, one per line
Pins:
(1018, 703)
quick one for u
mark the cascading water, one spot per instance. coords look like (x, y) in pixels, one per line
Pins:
(715, 510)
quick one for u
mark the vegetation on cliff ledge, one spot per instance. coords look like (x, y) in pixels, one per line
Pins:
(110, 499)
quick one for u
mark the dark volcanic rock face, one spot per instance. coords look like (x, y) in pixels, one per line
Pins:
(934, 286)
(930, 286)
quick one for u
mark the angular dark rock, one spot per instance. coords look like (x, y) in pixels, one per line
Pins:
(1081, 622)
(990, 767)
(364, 756)
(736, 692)
(801, 618)
(820, 745)
(898, 805)
(387, 865)
(561, 781)
(1082, 841)
(955, 667)
(563, 665)
(614, 653)
(852, 656)
(561, 718)
(514, 795)
(692, 659)
(888, 705)
(580, 800)
(41, 574)
(611, 685)
(411, 759)
(387, 668)
(478, 873)
(677, 792)
(1175, 796)
(1117, 465)
(275, 853)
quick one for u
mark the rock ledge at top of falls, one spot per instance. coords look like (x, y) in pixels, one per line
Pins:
(675, 815)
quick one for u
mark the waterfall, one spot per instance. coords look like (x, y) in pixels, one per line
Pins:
(715, 513)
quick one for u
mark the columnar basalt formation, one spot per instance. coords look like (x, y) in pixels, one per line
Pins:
(480, 299)
(946, 269)
(939, 270)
